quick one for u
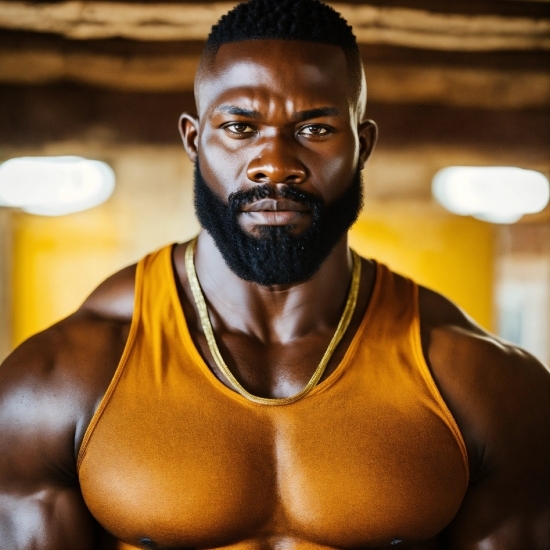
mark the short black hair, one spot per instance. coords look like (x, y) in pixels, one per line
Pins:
(306, 20)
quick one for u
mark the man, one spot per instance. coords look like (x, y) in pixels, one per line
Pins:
(263, 387)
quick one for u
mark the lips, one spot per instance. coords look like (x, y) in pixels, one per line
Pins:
(275, 212)
(275, 205)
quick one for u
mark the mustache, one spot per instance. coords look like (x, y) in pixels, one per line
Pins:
(238, 199)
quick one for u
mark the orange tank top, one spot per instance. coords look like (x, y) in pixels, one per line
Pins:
(174, 459)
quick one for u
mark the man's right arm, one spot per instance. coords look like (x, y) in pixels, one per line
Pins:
(40, 502)
(49, 389)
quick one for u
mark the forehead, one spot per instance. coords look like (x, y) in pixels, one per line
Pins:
(302, 73)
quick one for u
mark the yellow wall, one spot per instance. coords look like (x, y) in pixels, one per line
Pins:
(58, 261)
(451, 254)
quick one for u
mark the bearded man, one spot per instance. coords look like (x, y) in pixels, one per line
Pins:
(263, 387)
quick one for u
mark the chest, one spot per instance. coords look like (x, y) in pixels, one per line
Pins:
(337, 469)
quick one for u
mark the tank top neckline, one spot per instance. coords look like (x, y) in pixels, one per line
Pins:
(323, 385)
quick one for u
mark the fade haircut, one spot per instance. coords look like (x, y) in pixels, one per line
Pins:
(306, 20)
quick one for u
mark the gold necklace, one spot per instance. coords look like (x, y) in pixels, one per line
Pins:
(214, 350)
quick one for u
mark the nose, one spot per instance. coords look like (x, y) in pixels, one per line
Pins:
(277, 163)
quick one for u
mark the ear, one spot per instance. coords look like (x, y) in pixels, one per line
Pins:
(189, 131)
(368, 135)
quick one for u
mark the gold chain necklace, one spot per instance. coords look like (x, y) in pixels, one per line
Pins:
(214, 350)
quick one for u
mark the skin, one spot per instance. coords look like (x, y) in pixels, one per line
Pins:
(51, 385)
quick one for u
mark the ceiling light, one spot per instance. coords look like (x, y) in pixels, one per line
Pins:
(54, 186)
(498, 194)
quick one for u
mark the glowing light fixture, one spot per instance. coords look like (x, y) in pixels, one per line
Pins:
(54, 186)
(498, 194)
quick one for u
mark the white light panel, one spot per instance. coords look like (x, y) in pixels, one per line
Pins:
(55, 186)
(498, 194)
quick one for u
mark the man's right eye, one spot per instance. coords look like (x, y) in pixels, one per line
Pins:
(239, 128)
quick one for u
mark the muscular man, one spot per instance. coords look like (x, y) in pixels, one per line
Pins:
(262, 387)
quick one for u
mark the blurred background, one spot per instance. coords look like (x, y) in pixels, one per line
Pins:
(449, 83)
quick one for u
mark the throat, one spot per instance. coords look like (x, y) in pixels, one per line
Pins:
(276, 314)
(218, 358)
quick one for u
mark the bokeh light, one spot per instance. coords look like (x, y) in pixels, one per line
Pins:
(55, 186)
(498, 194)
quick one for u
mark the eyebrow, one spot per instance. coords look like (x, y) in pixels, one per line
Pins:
(233, 110)
(315, 113)
(299, 116)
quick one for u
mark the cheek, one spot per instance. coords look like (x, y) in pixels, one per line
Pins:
(222, 169)
(332, 173)
(337, 167)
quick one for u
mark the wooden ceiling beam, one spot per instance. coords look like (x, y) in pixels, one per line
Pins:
(405, 27)
(387, 83)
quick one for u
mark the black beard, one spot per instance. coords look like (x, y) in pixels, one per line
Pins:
(276, 256)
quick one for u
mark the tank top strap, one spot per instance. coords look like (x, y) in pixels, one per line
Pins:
(396, 322)
(156, 306)
(153, 303)
(395, 306)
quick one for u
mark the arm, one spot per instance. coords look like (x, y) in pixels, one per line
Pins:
(40, 503)
(499, 396)
(49, 389)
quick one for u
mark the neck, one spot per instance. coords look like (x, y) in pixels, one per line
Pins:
(277, 314)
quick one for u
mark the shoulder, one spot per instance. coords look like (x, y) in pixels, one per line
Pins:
(485, 379)
(67, 344)
(114, 298)
(450, 334)
(51, 384)
(455, 345)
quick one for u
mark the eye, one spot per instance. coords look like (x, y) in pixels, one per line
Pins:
(239, 128)
(315, 130)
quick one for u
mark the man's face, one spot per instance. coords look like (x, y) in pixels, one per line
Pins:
(279, 132)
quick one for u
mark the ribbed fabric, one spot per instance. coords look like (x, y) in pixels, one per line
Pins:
(371, 456)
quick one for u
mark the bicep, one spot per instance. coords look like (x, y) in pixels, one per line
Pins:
(507, 506)
(41, 507)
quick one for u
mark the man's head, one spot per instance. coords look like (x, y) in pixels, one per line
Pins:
(280, 139)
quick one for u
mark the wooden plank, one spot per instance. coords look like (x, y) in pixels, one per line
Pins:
(415, 28)
(388, 83)
(132, 73)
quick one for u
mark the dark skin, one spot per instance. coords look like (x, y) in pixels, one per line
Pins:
(51, 385)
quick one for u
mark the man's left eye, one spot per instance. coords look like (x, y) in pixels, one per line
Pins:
(314, 130)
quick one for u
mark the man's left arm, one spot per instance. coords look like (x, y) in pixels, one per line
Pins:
(500, 396)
